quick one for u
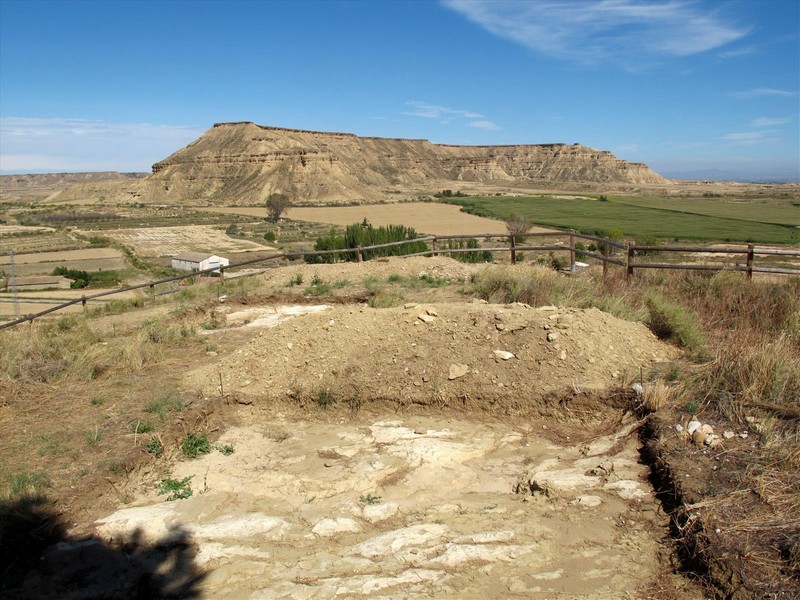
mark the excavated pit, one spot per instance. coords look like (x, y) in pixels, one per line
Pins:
(424, 451)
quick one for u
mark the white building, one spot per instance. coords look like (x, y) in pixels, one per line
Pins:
(198, 261)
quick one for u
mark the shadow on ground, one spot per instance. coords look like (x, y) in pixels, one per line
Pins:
(38, 559)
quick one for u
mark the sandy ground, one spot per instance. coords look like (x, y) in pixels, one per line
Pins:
(424, 217)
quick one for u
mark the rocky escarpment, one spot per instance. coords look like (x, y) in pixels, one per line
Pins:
(245, 162)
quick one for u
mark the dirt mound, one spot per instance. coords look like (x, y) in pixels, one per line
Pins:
(472, 355)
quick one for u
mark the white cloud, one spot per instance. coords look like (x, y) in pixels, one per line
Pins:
(767, 122)
(749, 137)
(60, 144)
(762, 93)
(445, 115)
(432, 111)
(487, 125)
(628, 32)
(737, 52)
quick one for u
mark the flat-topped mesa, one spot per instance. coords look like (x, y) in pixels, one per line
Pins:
(244, 162)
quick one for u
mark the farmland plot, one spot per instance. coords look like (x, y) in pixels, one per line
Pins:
(168, 241)
(22, 240)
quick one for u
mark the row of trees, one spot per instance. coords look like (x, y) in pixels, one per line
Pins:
(364, 234)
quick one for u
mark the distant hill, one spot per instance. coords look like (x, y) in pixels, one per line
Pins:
(39, 186)
(242, 163)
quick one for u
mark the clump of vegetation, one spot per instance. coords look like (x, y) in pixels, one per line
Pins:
(384, 298)
(164, 405)
(364, 234)
(476, 256)
(27, 483)
(82, 279)
(297, 279)
(450, 194)
(195, 444)
(177, 490)
(369, 499)
(324, 398)
(141, 426)
(669, 320)
(154, 446)
(226, 449)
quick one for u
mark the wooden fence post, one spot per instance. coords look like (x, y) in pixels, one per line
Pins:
(433, 247)
(513, 245)
(629, 260)
(750, 256)
(359, 258)
(605, 262)
(572, 253)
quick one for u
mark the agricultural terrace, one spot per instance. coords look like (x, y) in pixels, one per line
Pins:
(717, 219)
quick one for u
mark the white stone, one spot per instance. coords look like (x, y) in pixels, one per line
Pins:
(457, 370)
(328, 527)
(693, 426)
(503, 354)
(375, 513)
(393, 541)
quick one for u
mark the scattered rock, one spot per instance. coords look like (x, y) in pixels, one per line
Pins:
(693, 426)
(552, 336)
(375, 513)
(728, 434)
(457, 370)
(503, 355)
(707, 429)
(426, 318)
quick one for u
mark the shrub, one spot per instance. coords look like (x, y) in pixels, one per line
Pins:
(270, 236)
(177, 490)
(276, 205)
(154, 446)
(468, 257)
(141, 426)
(386, 299)
(195, 444)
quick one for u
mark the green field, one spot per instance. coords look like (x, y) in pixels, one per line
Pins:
(682, 219)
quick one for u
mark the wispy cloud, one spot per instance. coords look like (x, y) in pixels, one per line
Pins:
(762, 93)
(632, 33)
(487, 125)
(768, 122)
(737, 52)
(750, 138)
(444, 114)
(62, 144)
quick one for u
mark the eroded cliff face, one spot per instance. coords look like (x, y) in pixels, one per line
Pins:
(243, 163)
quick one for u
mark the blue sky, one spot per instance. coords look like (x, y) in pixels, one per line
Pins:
(703, 87)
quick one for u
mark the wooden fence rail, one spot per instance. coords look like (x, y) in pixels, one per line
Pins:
(604, 245)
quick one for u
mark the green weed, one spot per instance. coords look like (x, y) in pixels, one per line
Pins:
(154, 446)
(195, 444)
(177, 490)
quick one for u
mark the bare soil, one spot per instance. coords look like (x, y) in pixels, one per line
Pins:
(424, 217)
(168, 241)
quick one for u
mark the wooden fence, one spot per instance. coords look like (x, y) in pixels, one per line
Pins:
(602, 250)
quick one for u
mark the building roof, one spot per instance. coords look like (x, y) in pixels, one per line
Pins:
(193, 256)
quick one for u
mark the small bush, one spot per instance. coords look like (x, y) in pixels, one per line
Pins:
(141, 426)
(296, 280)
(324, 398)
(386, 299)
(177, 490)
(154, 446)
(93, 437)
(270, 236)
(195, 444)
(226, 449)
